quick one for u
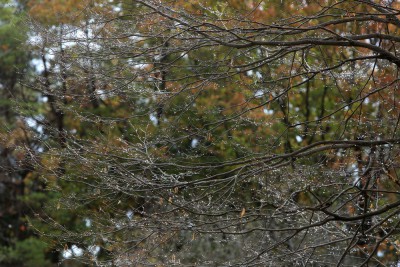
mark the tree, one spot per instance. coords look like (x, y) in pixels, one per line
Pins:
(246, 133)
(19, 244)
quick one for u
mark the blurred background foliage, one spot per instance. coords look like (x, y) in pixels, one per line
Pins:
(55, 103)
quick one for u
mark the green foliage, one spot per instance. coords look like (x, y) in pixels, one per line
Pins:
(29, 252)
(13, 56)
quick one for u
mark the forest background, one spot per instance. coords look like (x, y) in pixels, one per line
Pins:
(210, 133)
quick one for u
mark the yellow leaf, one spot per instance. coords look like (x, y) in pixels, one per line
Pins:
(243, 212)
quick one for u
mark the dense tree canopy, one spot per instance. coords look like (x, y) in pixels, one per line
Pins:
(210, 133)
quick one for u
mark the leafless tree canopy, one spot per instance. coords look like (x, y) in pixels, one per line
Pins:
(262, 133)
